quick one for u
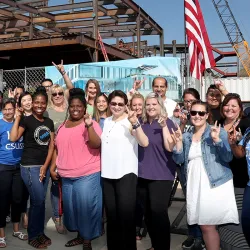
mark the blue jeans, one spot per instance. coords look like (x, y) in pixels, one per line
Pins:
(54, 196)
(37, 191)
(245, 217)
(195, 231)
(82, 204)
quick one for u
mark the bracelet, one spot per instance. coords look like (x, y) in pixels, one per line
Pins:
(137, 125)
(88, 126)
(63, 73)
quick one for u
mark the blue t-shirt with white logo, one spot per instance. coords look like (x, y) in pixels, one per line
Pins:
(10, 152)
(247, 149)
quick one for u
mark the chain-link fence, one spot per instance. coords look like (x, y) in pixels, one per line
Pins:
(30, 78)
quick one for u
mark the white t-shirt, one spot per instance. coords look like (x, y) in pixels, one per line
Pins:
(170, 106)
(119, 149)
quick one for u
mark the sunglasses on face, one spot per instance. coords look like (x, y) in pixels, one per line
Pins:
(200, 113)
(59, 94)
(119, 104)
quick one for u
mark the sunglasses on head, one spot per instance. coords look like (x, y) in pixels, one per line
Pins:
(200, 113)
(59, 93)
(119, 104)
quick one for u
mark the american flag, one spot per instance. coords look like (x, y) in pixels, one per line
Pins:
(200, 50)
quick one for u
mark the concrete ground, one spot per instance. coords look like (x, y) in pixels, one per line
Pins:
(58, 240)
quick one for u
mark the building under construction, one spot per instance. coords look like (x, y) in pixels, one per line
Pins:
(33, 33)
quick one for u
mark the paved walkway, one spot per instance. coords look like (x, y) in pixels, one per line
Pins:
(58, 240)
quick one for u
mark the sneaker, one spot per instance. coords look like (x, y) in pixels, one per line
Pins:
(199, 244)
(188, 243)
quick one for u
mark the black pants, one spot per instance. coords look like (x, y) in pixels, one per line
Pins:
(156, 195)
(11, 191)
(120, 200)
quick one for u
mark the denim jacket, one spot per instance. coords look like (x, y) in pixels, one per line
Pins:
(216, 156)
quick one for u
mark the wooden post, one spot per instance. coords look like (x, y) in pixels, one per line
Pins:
(138, 34)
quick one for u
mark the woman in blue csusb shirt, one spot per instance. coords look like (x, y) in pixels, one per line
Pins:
(10, 177)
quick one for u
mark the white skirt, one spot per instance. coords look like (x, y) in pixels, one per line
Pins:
(206, 205)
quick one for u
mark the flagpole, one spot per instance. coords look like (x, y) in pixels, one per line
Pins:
(185, 51)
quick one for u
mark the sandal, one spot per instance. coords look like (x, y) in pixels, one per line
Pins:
(37, 244)
(86, 246)
(59, 226)
(75, 242)
(20, 235)
(2, 242)
(44, 239)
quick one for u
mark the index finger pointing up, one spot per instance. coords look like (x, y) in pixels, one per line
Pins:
(127, 108)
(62, 61)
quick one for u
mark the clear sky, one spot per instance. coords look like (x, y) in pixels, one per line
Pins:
(169, 14)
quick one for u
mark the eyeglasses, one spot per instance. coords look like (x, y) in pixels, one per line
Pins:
(8, 110)
(59, 94)
(119, 104)
(48, 86)
(189, 102)
(200, 113)
(177, 110)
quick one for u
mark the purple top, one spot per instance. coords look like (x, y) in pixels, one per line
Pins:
(155, 162)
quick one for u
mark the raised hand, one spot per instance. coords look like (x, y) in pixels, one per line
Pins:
(219, 85)
(18, 111)
(177, 135)
(138, 83)
(215, 132)
(60, 67)
(88, 119)
(183, 118)
(11, 94)
(232, 138)
(132, 117)
(163, 121)
(239, 135)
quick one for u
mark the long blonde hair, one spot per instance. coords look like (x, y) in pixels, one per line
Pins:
(55, 88)
(152, 95)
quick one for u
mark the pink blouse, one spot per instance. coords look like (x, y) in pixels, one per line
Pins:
(75, 158)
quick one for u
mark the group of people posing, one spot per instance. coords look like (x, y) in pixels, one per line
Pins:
(121, 152)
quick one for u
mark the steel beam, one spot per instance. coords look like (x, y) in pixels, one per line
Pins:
(84, 14)
(12, 14)
(60, 41)
(107, 28)
(95, 28)
(138, 33)
(127, 34)
(26, 2)
(27, 8)
(162, 44)
(144, 15)
(74, 6)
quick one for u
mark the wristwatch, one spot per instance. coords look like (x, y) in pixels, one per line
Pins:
(137, 125)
